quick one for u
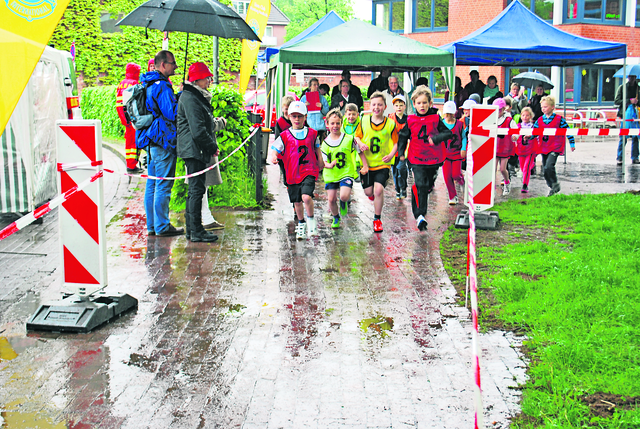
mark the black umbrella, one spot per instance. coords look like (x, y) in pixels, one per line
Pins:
(207, 17)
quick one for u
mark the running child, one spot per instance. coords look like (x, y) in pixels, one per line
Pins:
(338, 150)
(452, 167)
(399, 168)
(551, 147)
(506, 148)
(283, 121)
(377, 137)
(350, 123)
(302, 160)
(526, 148)
(424, 133)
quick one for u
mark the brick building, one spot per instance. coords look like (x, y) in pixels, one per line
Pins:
(437, 22)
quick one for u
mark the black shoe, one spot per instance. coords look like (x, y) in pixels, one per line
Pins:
(172, 231)
(203, 237)
(635, 161)
(135, 170)
(619, 162)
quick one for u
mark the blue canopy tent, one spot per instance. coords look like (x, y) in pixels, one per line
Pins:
(325, 23)
(495, 44)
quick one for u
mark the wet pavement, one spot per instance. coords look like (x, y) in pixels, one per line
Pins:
(349, 329)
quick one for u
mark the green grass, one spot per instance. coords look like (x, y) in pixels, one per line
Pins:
(575, 291)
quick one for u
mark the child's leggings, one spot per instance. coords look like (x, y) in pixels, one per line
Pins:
(527, 162)
(424, 179)
(452, 171)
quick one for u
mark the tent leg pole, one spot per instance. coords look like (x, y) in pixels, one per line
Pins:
(564, 105)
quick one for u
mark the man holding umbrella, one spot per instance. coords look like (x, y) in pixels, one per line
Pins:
(631, 103)
(159, 140)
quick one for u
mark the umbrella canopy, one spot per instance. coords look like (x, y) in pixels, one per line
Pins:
(631, 70)
(533, 79)
(207, 17)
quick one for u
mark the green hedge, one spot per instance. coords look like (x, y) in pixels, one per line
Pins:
(100, 103)
(238, 186)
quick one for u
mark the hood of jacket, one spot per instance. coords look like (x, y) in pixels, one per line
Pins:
(132, 71)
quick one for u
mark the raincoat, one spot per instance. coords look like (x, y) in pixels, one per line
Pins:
(161, 101)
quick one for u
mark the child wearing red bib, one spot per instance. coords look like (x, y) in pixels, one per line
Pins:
(551, 147)
(506, 147)
(452, 167)
(302, 161)
(526, 148)
(424, 134)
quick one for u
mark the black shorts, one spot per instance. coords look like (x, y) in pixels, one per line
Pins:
(306, 187)
(377, 176)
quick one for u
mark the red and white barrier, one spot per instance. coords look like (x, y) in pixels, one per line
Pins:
(568, 131)
(82, 224)
(481, 147)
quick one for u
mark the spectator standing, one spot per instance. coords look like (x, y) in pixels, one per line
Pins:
(476, 86)
(632, 100)
(459, 97)
(518, 100)
(340, 100)
(132, 74)
(535, 101)
(492, 90)
(317, 107)
(390, 93)
(354, 91)
(380, 83)
(197, 144)
(151, 65)
(159, 140)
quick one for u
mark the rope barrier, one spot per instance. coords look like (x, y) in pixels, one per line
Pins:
(31, 217)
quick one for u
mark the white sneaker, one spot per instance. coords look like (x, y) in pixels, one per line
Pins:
(312, 229)
(301, 231)
(453, 201)
(507, 189)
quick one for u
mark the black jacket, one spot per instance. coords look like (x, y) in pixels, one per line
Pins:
(196, 126)
(355, 96)
(632, 92)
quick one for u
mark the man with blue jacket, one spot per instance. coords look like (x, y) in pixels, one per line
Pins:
(159, 140)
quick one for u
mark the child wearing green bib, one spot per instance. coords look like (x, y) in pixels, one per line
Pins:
(338, 150)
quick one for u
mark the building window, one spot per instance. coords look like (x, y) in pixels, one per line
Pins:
(108, 22)
(241, 7)
(638, 14)
(542, 8)
(268, 31)
(595, 11)
(430, 14)
(389, 15)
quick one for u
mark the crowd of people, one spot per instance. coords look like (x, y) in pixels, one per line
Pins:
(402, 134)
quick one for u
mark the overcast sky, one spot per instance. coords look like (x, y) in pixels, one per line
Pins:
(362, 9)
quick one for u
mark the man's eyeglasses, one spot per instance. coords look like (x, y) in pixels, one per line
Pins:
(169, 62)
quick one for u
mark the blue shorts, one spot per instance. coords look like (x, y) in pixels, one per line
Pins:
(335, 185)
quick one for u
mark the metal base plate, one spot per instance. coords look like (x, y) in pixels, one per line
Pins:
(484, 220)
(73, 314)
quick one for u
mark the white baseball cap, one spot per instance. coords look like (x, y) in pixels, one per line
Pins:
(468, 103)
(399, 97)
(449, 107)
(297, 107)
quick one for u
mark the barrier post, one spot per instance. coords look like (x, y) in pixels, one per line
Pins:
(82, 236)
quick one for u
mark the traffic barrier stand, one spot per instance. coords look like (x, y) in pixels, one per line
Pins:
(481, 147)
(82, 236)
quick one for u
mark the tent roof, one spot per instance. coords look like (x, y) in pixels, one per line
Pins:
(357, 45)
(325, 23)
(541, 44)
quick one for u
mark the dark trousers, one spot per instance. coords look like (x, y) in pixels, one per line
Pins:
(193, 213)
(424, 179)
(549, 166)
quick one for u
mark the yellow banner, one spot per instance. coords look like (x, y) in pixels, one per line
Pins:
(257, 17)
(25, 29)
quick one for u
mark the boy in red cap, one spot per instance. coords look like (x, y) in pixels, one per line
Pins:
(132, 74)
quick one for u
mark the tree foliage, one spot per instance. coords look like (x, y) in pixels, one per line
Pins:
(304, 13)
(101, 57)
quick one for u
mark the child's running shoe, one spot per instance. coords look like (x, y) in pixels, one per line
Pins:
(312, 229)
(554, 190)
(453, 201)
(422, 223)
(371, 197)
(336, 223)
(398, 195)
(507, 189)
(344, 210)
(403, 194)
(301, 230)
(525, 188)
(377, 225)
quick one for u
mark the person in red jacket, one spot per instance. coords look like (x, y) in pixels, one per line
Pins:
(132, 74)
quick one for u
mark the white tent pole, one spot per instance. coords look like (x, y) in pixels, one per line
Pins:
(624, 111)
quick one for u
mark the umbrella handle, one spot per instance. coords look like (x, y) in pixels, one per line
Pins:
(186, 52)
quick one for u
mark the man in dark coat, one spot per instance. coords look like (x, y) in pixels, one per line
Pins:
(380, 83)
(476, 86)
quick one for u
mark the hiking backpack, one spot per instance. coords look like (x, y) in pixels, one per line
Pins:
(135, 106)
